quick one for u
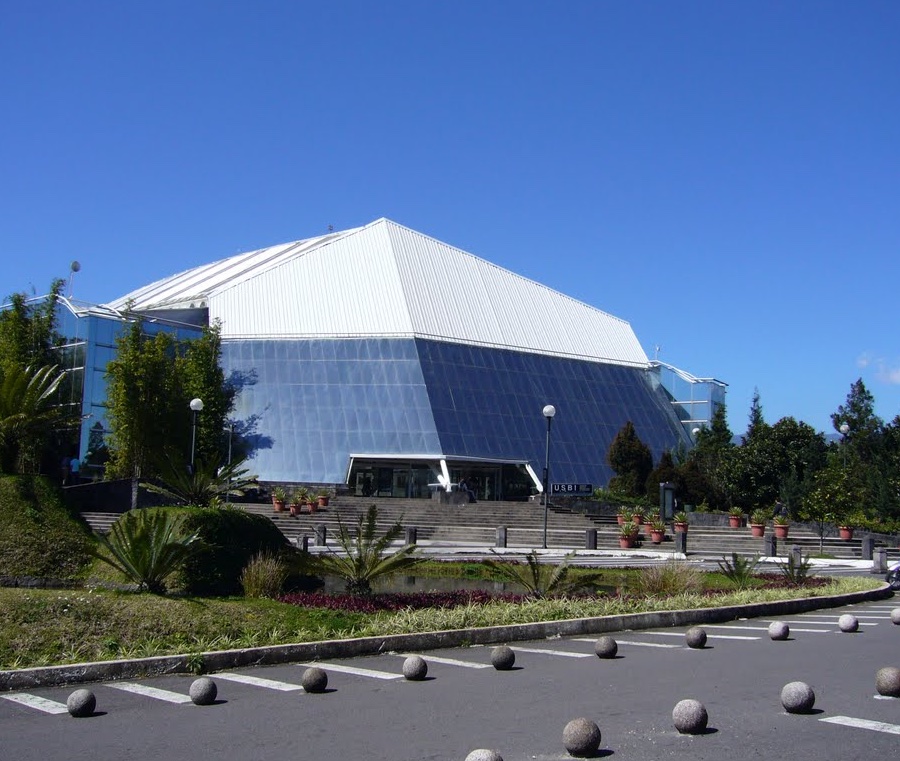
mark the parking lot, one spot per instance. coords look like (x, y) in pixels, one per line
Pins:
(370, 711)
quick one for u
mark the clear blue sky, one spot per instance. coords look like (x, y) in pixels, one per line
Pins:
(723, 175)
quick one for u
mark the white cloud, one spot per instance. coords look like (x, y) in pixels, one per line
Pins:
(864, 359)
(888, 374)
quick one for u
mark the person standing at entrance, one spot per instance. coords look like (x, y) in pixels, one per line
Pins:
(464, 487)
(75, 470)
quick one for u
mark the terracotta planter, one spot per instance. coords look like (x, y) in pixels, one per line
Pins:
(736, 521)
(620, 519)
(626, 544)
(846, 532)
(322, 501)
(757, 529)
(681, 528)
(781, 531)
(657, 536)
(278, 504)
(311, 506)
(639, 519)
(295, 510)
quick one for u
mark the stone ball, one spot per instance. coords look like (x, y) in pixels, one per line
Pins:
(314, 679)
(503, 658)
(887, 681)
(779, 630)
(483, 754)
(895, 616)
(606, 647)
(81, 703)
(848, 623)
(414, 668)
(690, 717)
(695, 637)
(203, 691)
(581, 737)
(797, 697)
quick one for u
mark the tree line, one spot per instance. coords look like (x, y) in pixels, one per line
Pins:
(853, 477)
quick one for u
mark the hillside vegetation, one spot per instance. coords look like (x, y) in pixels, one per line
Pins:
(38, 534)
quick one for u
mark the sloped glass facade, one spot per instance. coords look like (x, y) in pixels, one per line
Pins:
(314, 403)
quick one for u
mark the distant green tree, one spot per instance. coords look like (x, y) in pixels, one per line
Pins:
(757, 424)
(665, 470)
(631, 460)
(713, 456)
(28, 330)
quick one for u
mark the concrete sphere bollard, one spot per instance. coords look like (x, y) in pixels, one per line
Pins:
(690, 717)
(581, 737)
(887, 681)
(895, 616)
(779, 630)
(503, 658)
(606, 647)
(415, 669)
(483, 754)
(203, 691)
(314, 679)
(848, 623)
(81, 703)
(797, 697)
(695, 637)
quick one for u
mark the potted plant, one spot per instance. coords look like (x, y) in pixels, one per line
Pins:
(846, 532)
(637, 515)
(736, 517)
(299, 497)
(279, 497)
(624, 515)
(781, 524)
(758, 519)
(322, 497)
(657, 531)
(680, 522)
(628, 535)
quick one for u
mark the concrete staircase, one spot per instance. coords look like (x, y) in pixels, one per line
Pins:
(476, 525)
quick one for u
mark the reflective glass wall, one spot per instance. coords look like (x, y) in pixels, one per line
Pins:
(313, 403)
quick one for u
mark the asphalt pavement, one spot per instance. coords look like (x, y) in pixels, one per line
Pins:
(370, 711)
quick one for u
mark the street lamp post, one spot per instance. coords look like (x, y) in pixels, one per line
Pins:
(196, 406)
(549, 411)
(844, 429)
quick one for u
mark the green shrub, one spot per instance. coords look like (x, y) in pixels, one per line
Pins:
(264, 576)
(228, 539)
(39, 536)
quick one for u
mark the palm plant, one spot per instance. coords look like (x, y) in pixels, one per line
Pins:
(739, 570)
(27, 413)
(539, 579)
(147, 546)
(207, 485)
(364, 555)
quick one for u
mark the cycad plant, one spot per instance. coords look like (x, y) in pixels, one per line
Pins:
(147, 546)
(206, 486)
(364, 554)
(539, 579)
(739, 570)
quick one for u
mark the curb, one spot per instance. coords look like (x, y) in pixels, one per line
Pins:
(101, 671)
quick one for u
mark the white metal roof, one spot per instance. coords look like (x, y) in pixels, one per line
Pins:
(384, 279)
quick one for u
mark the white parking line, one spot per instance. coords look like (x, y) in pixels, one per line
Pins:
(630, 642)
(542, 651)
(256, 681)
(711, 636)
(33, 701)
(883, 697)
(877, 726)
(353, 670)
(825, 623)
(448, 661)
(150, 692)
(762, 628)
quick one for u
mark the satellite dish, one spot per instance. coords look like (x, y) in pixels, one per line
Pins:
(75, 266)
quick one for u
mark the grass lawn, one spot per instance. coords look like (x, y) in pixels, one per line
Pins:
(45, 627)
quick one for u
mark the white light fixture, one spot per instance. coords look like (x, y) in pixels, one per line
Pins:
(196, 405)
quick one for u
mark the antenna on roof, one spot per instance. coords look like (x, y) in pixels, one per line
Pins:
(658, 347)
(331, 228)
(73, 268)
